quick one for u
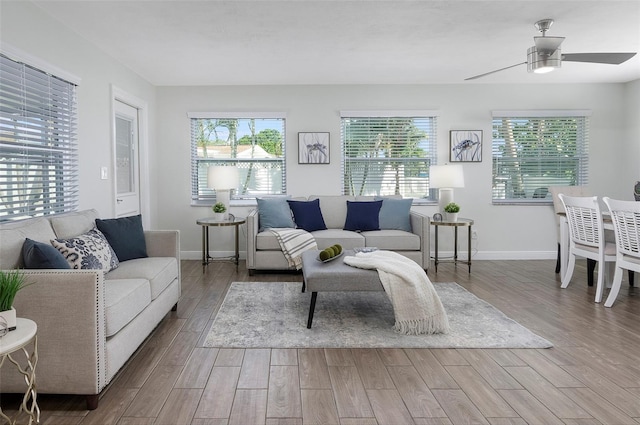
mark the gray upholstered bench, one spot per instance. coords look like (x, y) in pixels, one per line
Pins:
(334, 276)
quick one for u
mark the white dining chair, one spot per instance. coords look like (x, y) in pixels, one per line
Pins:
(586, 238)
(626, 226)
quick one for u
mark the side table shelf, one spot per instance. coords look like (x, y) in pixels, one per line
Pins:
(11, 344)
(461, 222)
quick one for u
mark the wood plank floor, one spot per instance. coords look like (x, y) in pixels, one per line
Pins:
(591, 375)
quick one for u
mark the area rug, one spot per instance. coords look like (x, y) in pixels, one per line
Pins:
(274, 315)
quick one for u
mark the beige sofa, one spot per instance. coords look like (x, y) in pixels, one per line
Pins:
(89, 322)
(264, 252)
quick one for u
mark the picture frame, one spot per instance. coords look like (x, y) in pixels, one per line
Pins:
(465, 146)
(313, 147)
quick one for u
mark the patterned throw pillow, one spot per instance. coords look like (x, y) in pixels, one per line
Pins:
(88, 251)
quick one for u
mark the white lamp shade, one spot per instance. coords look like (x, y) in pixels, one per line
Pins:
(222, 177)
(445, 176)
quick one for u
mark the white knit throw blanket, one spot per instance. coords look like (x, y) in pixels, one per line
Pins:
(416, 305)
(293, 243)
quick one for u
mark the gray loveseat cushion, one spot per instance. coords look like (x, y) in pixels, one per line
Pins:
(124, 299)
(159, 271)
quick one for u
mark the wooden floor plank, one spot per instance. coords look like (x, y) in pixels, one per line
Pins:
(350, 395)
(319, 408)
(372, 371)
(529, 408)
(598, 407)
(431, 371)
(255, 368)
(314, 373)
(249, 408)
(180, 407)
(151, 397)
(388, 407)
(491, 371)
(284, 392)
(415, 393)
(217, 397)
(196, 372)
(459, 409)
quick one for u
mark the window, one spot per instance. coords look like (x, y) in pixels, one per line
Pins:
(254, 143)
(534, 150)
(388, 153)
(38, 147)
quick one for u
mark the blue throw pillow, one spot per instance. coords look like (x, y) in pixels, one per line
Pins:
(38, 255)
(125, 235)
(307, 215)
(394, 214)
(274, 213)
(363, 216)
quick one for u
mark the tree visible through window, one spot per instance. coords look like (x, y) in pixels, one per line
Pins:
(254, 145)
(534, 151)
(388, 155)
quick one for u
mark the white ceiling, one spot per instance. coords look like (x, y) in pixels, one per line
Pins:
(183, 42)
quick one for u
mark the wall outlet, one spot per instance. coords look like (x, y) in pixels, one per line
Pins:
(474, 235)
(104, 173)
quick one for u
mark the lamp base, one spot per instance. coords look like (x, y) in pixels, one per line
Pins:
(445, 197)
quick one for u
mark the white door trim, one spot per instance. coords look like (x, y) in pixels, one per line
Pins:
(141, 105)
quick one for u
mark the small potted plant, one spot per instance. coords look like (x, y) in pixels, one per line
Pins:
(452, 209)
(11, 281)
(218, 211)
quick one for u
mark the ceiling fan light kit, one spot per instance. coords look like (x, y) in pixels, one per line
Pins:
(546, 55)
(543, 62)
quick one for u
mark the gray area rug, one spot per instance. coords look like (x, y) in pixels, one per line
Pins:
(274, 315)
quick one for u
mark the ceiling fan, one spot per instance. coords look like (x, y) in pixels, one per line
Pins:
(546, 56)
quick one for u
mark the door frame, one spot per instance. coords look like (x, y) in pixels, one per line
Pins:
(117, 94)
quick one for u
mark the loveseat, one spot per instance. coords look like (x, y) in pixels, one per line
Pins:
(89, 322)
(400, 229)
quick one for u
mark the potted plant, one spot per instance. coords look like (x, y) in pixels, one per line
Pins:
(452, 209)
(11, 281)
(218, 211)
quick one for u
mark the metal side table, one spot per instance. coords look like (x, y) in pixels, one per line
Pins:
(461, 222)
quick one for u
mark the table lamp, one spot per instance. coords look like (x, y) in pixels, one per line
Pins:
(222, 179)
(445, 178)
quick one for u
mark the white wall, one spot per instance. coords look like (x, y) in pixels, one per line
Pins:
(25, 27)
(503, 231)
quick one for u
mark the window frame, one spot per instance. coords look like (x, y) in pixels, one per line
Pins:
(431, 116)
(580, 157)
(38, 138)
(202, 196)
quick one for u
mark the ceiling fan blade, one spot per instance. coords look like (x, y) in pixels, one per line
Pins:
(548, 44)
(493, 72)
(608, 58)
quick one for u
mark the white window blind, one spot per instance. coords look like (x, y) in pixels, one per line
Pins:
(388, 154)
(252, 142)
(38, 146)
(534, 150)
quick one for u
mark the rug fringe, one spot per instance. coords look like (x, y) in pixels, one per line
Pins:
(437, 324)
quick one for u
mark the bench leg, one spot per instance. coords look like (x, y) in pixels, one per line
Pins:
(312, 307)
(304, 285)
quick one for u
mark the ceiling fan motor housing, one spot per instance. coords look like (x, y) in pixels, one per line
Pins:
(542, 62)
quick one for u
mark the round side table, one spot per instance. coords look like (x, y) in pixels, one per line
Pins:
(208, 222)
(461, 222)
(12, 343)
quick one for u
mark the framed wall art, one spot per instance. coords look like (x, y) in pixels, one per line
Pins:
(313, 148)
(465, 146)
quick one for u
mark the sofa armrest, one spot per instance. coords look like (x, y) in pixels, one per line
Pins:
(68, 308)
(252, 231)
(421, 226)
(163, 243)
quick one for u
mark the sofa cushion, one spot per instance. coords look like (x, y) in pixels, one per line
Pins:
(307, 215)
(394, 214)
(363, 216)
(124, 299)
(41, 255)
(267, 241)
(159, 271)
(334, 209)
(88, 251)
(125, 235)
(71, 224)
(13, 235)
(346, 238)
(393, 240)
(274, 213)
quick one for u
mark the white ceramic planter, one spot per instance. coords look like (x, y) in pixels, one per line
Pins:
(452, 216)
(218, 216)
(8, 317)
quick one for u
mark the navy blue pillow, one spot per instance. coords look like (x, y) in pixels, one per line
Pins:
(125, 235)
(38, 255)
(363, 216)
(307, 215)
